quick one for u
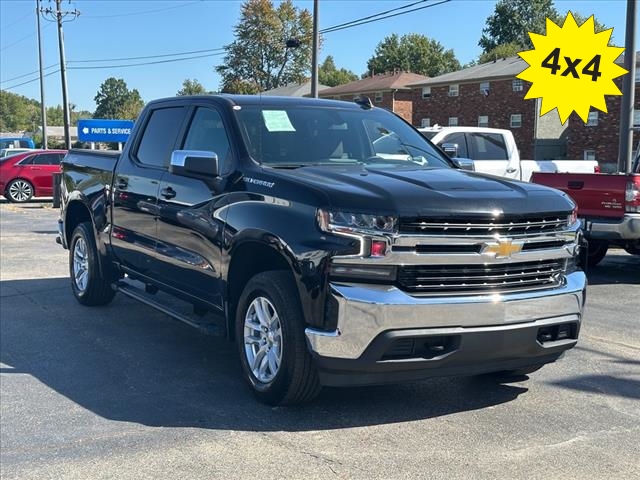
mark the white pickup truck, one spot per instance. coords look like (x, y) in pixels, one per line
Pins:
(494, 151)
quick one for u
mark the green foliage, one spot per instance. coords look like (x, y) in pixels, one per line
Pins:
(329, 75)
(18, 113)
(114, 100)
(512, 20)
(258, 59)
(412, 53)
(192, 87)
(501, 51)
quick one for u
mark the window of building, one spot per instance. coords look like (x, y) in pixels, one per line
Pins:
(425, 122)
(592, 120)
(516, 120)
(426, 92)
(589, 154)
(453, 121)
(377, 97)
(484, 87)
(156, 146)
(636, 118)
(483, 121)
(453, 90)
(517, 85)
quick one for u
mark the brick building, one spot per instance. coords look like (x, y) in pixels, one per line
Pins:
(598, 139)
(490, 95)
(388, 91)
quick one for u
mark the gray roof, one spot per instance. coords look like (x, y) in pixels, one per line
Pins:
(294, 90)
(501, 68)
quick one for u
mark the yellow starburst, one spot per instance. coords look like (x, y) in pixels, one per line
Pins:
(572, 68)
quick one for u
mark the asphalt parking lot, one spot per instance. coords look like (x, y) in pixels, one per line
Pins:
(125, 392)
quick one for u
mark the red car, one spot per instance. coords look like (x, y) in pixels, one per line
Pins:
(30, 174)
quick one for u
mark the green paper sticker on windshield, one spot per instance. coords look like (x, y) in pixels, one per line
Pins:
(277, 121)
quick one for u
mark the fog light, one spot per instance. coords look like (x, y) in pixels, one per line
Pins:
(378, 248)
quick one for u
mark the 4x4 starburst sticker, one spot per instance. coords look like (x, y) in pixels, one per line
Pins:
(572, 68)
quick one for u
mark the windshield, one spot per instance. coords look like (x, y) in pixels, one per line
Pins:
(291, 137)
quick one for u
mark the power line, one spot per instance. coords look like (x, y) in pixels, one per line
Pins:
(372, 16)
(6, 27)
(362, 21)
(142, 12)
(97, 67)
(30, 81)
(33, 34)
(145, 57)
(27, 74)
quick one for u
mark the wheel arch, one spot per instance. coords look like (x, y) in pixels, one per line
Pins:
(249, 258)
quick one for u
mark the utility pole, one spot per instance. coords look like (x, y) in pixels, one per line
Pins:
(58, 15)
(625, 144)
(43, 108)
(314, 53)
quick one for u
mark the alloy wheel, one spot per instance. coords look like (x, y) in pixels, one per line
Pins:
(263, 340)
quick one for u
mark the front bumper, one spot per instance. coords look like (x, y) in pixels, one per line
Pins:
(478, 333)
(628, 228)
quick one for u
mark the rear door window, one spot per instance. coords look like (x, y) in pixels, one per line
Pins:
(47, 159)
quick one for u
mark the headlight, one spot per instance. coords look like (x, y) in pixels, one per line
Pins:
(338, 221)
(572, 217)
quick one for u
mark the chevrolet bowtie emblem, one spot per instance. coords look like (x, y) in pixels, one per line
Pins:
(503, 248)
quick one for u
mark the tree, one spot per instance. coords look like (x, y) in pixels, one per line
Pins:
(191, 87)
(329, 75)
(258, 58)
(115, 100)
(512, 21)
(500, 51)
(412, 53)
(18, 113)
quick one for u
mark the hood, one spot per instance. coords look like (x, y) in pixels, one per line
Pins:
(418, 191)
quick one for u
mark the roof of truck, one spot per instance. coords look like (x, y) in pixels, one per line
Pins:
(268, 100)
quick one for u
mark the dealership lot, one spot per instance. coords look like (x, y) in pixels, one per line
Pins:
(125, 392)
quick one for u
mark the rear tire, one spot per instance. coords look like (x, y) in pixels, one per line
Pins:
(596, 252)
(87, 282)
(271, 341)
(19, 191)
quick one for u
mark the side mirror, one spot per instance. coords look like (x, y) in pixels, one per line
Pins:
(451, 149)
(464, 164)
(194, 163)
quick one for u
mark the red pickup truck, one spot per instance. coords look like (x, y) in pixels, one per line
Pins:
(608, 205)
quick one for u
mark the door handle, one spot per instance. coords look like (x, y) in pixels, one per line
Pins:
(512, 170)
(575, 185)
(168, 193)
(121, 183)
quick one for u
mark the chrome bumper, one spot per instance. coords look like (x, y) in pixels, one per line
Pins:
(626, 229)
(366, 311)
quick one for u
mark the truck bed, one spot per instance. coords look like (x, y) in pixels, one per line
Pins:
(596, 194)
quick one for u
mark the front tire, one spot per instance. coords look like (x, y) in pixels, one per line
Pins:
(19, 191)
(271, 342)
(597, 251)
(89, 286)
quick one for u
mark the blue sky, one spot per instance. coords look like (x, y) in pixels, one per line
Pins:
(112, 29)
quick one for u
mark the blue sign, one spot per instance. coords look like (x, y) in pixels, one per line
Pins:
(99, 130)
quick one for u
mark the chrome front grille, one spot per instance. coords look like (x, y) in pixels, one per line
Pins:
(487, 226)
(481, 279)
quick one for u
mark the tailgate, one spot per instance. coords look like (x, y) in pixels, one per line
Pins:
(597, 194)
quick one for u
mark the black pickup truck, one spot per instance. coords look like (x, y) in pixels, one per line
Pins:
(330, 239)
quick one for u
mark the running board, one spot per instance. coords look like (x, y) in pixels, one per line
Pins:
(209, 324)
